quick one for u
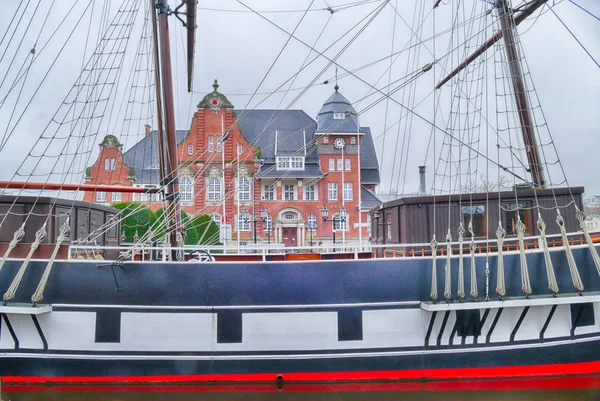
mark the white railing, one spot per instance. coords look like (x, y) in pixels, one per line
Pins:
(350, 250)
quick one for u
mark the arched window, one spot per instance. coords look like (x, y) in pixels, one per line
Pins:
(312, 222)
(244, 221)
(214, 189)
(186, 188)
(267, 223)
(110, 164)
(243, 189)
(340, 223)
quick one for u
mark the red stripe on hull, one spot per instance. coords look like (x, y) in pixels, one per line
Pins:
(538, 383)
(504, 372)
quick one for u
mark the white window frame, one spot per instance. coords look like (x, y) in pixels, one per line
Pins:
(267, 223)
(269, 192)
(332, 191)
(240, 149)
(340, 224)
(110, 164)
(312, 223)
(216, 218)
(326, 139)
(211, 143)
(219, 143)
(290, 162)
(243, 189)
(101, 197)
(352, 140)
(116, 197)
(348, 164)
(213, 189)
(190, 149)
(339, 116)
(186, 188)
(243, 221)
(310, 192)
(340, 164)
(290, 189)
(331, 164)
(348, 191)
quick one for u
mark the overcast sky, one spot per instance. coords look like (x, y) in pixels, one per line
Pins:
(238, 48)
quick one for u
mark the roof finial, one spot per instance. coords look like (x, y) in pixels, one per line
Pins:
(336, 87)
(216, 85)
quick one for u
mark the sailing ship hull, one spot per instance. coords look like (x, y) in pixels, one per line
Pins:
(325, 320)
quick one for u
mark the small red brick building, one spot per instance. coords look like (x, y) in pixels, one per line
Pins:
(235, 163)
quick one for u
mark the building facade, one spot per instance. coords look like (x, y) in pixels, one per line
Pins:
(264, 175)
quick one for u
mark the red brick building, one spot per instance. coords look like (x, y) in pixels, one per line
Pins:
(279, 161)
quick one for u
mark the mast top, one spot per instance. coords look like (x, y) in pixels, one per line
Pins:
(216, 85)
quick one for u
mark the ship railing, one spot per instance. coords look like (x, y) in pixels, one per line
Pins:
(275, 252)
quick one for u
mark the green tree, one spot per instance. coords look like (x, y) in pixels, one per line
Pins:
(191, 234)
(208, 231)
(134, 217)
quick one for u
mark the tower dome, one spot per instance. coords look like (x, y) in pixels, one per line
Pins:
(337, 115)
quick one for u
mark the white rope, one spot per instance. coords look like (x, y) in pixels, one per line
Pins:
(448, 276)
(12, 290)
(472, 249)
(17, 236)
(38, 295)
(180, 243)
(500, 283)
(434, 294)
(581, 217)
(461, 271)
(552, 284)
(525, 281)
(575, 277)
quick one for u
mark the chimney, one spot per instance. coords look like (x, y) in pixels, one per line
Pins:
(148, 129)
(422, 189)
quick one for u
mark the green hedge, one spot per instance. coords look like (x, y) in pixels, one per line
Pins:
(139, 217)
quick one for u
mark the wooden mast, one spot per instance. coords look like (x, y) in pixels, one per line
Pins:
(157, 86)
(174, 222)
(507, 23)
(520, 93)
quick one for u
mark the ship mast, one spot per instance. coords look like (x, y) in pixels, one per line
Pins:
(163, 64)
(508, 22)
(519, 91)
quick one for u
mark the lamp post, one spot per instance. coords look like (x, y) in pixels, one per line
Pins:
(264, 215)
(340, 217)
(264, 218)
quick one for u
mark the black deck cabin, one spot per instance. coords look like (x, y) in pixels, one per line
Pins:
(85, 218)
(410, 220)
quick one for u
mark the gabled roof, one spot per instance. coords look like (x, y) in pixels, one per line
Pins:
(259, 127)
(369, 166)
(143, 157)
(369, 199)
(337, 103)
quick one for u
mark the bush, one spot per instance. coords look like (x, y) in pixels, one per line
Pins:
(208, 231)
(191, 237)
(134, 217)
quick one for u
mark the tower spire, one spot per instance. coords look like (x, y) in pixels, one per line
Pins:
(336, 87)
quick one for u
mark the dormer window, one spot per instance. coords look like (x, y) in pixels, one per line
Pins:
(290, 162)
(339, 116)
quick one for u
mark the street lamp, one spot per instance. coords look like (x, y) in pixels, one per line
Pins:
(265, 218)
(340, 217)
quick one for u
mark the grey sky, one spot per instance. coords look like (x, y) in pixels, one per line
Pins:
(237, 48)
